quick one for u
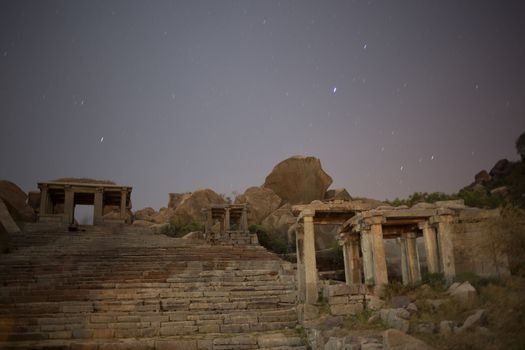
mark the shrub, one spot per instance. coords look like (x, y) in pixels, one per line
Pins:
(436, 281)
(273, 242)
(178, 228)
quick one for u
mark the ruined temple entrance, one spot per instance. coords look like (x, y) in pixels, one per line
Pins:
(59, 202)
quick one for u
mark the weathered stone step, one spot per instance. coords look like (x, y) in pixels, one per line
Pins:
(285, 339)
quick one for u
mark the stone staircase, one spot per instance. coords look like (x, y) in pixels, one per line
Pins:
(120, 288)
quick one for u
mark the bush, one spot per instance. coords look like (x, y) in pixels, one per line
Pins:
(275, 243)
(436, 281)
(178, 228)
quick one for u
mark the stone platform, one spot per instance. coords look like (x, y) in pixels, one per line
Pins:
(122, 288)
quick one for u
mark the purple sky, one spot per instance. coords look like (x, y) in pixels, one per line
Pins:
(393, 97)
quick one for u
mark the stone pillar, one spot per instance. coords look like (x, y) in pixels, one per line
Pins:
(244, 219)
(69, 205)
(98, 206)
(446, 246)
(123, 204)
(402, 241)
(413, 258)
(227, 219)
(43, 199)
(299, 246)
(309, 257)
(376, 231)
(429, 235)
(351, 260)
(368, 259)
(209, 222)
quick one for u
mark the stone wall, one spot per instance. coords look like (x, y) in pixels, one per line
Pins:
(344, 300)
(477, 247)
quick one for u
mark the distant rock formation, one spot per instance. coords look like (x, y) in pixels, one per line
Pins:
(299, 180)
(190, 208)
(337, 194)
(16, 201)
(261, 201)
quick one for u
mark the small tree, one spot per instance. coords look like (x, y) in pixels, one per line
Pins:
(520, 146)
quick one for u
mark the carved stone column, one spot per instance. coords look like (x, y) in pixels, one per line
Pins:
(309, 257)
(368, 258)
(351, 260)
(227, 219)
(244, 219)
(44, 194)
(446, 246)
(376, 231)
(402, 241)
(98, 206)
(429, 235)
(299, 246)
(69, 205)
(413, 258)
(123, 204)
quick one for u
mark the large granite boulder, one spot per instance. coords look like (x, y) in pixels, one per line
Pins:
(190, 208)
(176, 198)
(4, 240)
(261, 202)
(279, 221)
(164, 215)
(145, 214)
(16, 201)
(299, 180)
(337, 194)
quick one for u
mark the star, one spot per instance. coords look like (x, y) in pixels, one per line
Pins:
(102, 139)
(335, 90)
(364, 46)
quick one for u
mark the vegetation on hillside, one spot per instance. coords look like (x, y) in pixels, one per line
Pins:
(273, 242)
(179, 228)
(479, 199)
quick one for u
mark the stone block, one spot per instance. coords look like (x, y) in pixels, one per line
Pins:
(346, 309)
(82, 333)
(338, 300)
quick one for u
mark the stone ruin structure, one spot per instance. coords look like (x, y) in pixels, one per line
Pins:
(309, 215)
(451, 233)
(232, 222)
(58, 201)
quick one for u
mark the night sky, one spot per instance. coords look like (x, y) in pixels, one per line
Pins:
(392, 96)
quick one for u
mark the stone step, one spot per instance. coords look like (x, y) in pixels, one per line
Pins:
(281, 340)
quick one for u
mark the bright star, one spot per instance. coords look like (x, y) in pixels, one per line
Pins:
(102, 139)
(335, 89)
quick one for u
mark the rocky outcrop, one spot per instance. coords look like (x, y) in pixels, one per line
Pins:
(4, 240)
(176, 198)
(190, 208)
(463, 293)
(337, 194)
(16, 201)
(145, 214)
(299, 180)
(261, 203)
(279, 221)
(7, 222)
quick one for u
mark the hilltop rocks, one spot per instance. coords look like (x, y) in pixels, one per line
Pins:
(176, 198)
(261, 201)
(337, 194)
(190, 208)
(299, 180)
(145, 214)
(16, 201)
(280, 220)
